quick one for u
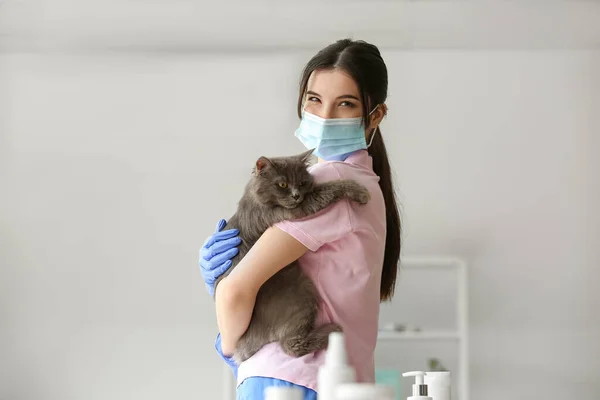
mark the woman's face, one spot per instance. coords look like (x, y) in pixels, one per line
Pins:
(331, 93)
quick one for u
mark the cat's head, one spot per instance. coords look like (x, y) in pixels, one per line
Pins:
(282, 181)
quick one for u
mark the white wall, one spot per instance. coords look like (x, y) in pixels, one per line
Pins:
(494, 152)
(115, 168)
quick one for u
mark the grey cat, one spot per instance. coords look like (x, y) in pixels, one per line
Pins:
(287, 303)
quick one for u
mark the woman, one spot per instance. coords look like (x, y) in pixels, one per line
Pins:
(351, 252)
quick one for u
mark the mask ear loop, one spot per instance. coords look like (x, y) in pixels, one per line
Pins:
(372, 136)
(374, 130)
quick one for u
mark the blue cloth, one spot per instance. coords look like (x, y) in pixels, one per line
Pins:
(253, 388)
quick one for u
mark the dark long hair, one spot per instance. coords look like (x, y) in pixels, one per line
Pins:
(363, 62)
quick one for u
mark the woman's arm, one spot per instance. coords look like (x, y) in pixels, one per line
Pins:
(236, 294)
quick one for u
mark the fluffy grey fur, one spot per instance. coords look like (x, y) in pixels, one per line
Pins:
(287, 304)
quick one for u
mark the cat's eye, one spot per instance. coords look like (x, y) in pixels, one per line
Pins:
(282, 185)
(302, 183)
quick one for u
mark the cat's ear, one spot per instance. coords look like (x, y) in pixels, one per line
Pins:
(261, 164)
(304, 157)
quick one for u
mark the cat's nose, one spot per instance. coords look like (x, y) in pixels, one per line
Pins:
(296, 196)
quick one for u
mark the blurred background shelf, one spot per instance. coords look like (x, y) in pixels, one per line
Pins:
(424, 335)
(426, 321)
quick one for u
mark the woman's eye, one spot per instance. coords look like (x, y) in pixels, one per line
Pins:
(313, 99)
(282, 185)
(346, 104)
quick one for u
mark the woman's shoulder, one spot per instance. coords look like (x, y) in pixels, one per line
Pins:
(330, 170)
(324, 171)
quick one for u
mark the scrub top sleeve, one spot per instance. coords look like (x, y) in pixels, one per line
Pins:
(326, 226)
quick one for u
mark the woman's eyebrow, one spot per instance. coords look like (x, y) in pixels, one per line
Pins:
(345, 96)
(348, 96)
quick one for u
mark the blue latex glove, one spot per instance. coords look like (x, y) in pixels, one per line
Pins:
(229, 360)
(216, 254)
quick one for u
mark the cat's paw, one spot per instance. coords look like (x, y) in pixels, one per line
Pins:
(359, 194)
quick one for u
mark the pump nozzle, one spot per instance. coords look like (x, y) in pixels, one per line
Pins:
(336, 350)
(336, 370)
(419, 388)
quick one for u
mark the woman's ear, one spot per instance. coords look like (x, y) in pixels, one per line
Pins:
(378, 114)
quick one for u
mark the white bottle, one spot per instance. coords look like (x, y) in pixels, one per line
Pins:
(364, 391)
(336, 370)
(419, 389)
(438, 384)
(283, 393)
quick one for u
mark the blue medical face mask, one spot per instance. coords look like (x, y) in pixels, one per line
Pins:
(333, 138)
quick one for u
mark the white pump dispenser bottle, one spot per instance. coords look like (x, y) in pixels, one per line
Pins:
(336, 369)
(438, 384)
(419, 389)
